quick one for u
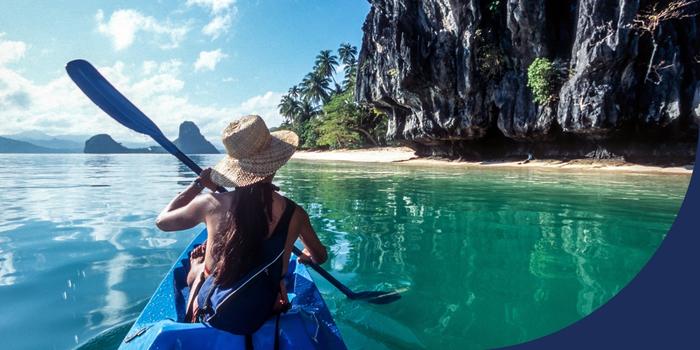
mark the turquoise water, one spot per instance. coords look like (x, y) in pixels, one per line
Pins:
(485, 257)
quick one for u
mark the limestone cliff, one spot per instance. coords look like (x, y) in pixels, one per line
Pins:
(452, 76)
(191, 141)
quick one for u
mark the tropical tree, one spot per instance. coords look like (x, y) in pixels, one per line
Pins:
(324, 113)
(325, 64)
(337, 90)
(347, 53)
(307, 111)
(315, 87)
(350, 74)
(294, 91)
(307, 129)
(346, 123)
(289, 107)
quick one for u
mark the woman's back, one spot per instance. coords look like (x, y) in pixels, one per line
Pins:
(220, 220)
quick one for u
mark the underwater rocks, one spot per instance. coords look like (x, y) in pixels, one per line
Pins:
(453, 78)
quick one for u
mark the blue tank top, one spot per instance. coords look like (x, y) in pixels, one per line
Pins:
(242, 307)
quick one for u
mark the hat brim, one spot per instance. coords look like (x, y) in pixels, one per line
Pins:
(235, 172)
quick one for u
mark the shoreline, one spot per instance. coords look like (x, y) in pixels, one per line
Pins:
(406, 156)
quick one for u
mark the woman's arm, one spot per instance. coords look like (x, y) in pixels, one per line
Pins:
(188, 209)
(314, 250)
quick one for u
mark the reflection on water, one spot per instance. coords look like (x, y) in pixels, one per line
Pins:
(7, 269)
(486, 257)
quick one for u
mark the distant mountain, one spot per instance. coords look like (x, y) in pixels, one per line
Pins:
(191, 141)
(8, 145)
(57, 144)
(66, 143)
(103, 143)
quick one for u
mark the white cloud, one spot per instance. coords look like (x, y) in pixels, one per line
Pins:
(124, 25)
(215, 6)
(208, 60)
(149, 67)
(171, 66)
(157, 88)
(11, 51)
(264, 105)
(217, 26)
(221, 12)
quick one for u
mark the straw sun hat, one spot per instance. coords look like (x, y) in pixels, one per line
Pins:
(254, 153)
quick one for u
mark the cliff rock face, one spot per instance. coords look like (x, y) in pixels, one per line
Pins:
(103, 143)
(452, 76)
(191, 141)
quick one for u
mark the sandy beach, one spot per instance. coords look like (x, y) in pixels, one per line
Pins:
(406, 156)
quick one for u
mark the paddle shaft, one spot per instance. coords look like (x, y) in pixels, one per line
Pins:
(190, 164)
(350, 294)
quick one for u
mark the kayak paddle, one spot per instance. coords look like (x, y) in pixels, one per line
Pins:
(112, 102)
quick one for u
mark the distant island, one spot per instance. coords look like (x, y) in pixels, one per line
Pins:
(190, 140)
(105, 144)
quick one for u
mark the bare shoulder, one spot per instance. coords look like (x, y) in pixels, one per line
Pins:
(300, 215)
(215, 201)
(222, 199)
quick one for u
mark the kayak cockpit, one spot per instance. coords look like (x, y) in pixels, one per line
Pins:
(307, 325)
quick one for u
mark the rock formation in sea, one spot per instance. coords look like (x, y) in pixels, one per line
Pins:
(191, 141)
(103, 143)
(453, 77)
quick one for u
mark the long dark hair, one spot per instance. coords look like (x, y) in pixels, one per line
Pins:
(240, 247)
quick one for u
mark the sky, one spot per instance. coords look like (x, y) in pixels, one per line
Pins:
(209, 61)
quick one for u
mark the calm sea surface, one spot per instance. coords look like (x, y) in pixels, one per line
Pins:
(486, 257)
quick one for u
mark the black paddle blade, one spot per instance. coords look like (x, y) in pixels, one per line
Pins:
(377, 297)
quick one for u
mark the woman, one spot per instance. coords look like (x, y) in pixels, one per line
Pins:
(246, 225)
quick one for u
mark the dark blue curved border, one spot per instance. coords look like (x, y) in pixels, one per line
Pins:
(660, 307)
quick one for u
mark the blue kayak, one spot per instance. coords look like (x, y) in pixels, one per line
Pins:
(307, 325)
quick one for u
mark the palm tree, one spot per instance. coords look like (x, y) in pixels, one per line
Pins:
(308, 111)
(350, 74)
(289, 108)
(315, 87)
(295, 91)
(337, 90)
(347, 53)
(325, 64)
